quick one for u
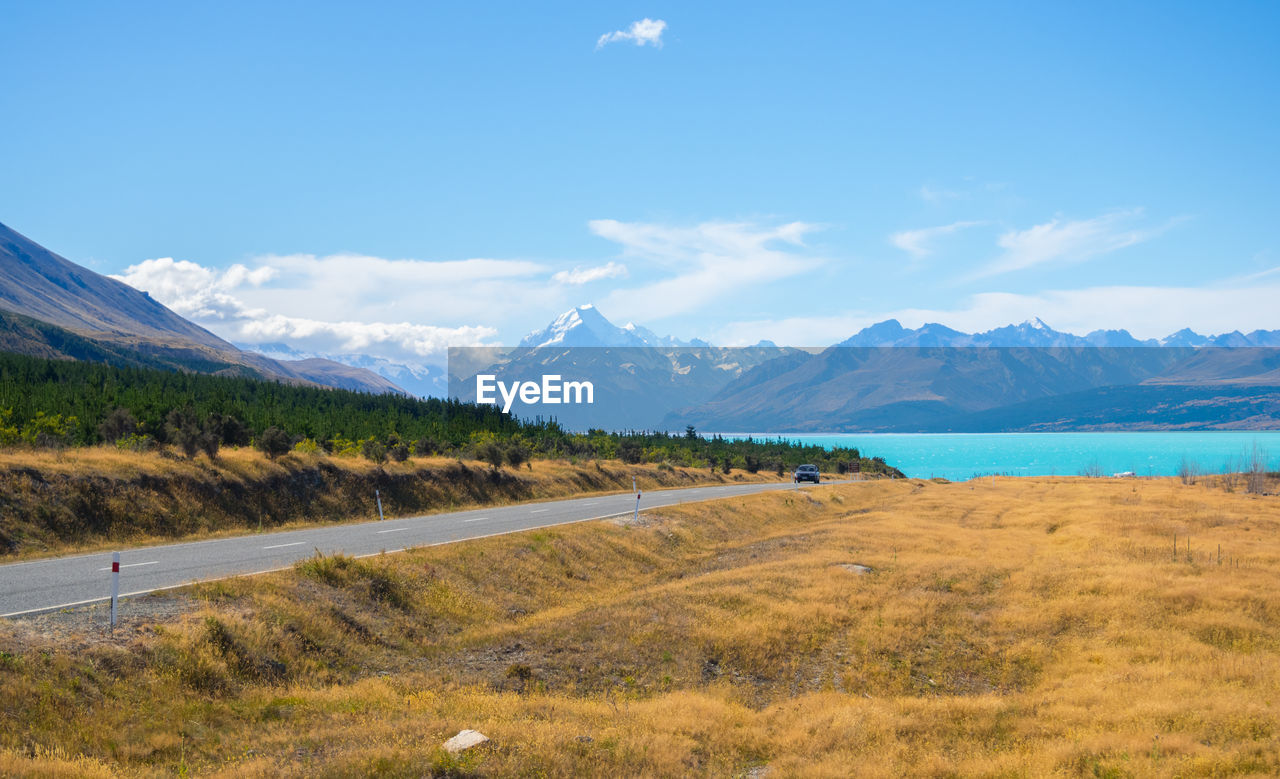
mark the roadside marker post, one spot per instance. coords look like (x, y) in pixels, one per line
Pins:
(115, 586)
(636, 490)
(378, 494)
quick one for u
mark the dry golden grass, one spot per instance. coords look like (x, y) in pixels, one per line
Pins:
(1015, 628)
(100, 497)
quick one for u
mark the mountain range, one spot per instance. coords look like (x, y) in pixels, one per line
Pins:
(1034, 332)
(52, 307)
(887, 378)
(585, 325)
(1019, 377)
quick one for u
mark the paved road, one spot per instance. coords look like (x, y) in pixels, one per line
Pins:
(45, 585)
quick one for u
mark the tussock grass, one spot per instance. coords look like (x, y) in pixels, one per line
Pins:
(95, 497)
(1021, 628)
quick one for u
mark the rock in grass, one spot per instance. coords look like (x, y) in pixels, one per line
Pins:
(466, 739)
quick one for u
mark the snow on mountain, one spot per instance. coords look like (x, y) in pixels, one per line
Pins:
(424, 380)
(1116, 338)
(586, 326)
(1035, 332)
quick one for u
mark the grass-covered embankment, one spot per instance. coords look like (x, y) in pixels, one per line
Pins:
(1021, 628)
(90, 497)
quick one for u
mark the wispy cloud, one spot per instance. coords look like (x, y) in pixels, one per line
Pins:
(702, 263)
(917, 242)
(931, 193)
(579, 276)
(1249, 278)
(646, 32)
(1059, 241)
(936, 195)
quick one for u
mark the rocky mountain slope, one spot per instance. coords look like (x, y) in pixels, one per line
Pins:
(62, 301)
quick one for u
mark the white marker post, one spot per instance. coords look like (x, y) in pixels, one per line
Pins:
(378, 494)
(636, 517)
(115, 586)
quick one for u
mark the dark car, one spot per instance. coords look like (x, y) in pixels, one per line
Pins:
(807, 473)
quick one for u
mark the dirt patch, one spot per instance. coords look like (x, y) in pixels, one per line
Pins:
(90, 625)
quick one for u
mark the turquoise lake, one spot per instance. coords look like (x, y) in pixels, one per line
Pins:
(959, 456)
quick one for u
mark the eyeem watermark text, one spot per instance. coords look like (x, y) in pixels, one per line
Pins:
(550, 391)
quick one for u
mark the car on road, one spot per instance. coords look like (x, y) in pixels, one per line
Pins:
(807, 473)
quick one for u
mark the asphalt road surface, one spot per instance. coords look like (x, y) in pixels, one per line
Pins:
(47, 585)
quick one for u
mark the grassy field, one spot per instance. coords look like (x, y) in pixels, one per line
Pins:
(99, 497)
(1000, 628)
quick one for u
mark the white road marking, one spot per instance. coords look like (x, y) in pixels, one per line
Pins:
(44, 609)
(538, 511)
(131, 565)
(392, 530)
(477, 519)
(282, 546)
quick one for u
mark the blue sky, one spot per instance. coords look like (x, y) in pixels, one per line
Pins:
(391, 177)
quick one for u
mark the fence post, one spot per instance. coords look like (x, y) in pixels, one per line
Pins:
(115, 586)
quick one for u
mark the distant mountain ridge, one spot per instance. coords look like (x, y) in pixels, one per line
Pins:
(585, 326)
(419, 379)
(1034, 332)
(66, 311)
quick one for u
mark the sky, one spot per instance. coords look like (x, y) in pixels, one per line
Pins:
(391, 178)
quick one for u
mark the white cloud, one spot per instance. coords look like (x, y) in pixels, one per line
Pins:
(644, 32)
(917, 242)
(194, 291)
(578, 276)
(374, 289)
(1251, 277)
(1057, 241)
(333, 304)
(401, 339)
(1146, 312)
(703, 263)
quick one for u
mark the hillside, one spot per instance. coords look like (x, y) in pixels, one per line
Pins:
(1026, 627)
(41, 285)
(26, 336)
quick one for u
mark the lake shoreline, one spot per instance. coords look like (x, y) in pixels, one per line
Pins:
(962, 456)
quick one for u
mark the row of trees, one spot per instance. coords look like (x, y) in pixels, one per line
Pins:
(67, 403)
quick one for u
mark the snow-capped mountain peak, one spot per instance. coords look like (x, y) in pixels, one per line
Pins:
(586, 326)
(1035, 332)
